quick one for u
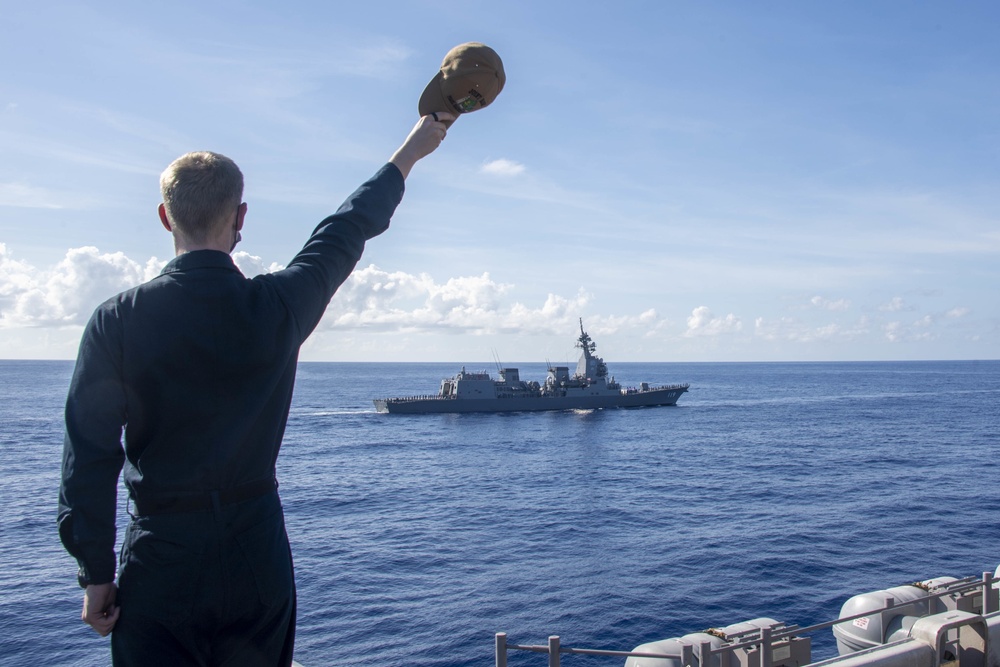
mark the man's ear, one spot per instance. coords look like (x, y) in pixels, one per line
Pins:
(241, 214)
(162, 210)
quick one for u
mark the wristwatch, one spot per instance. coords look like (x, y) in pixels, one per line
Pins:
(82, 578)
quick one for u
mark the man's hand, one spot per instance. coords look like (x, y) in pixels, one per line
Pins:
(99, 610)
(425, 137)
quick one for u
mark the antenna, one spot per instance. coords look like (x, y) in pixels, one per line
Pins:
(585, 342)
(496, 359)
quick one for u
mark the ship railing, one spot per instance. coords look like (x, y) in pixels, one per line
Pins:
(661, 387)
(762, 640)
(404, 399)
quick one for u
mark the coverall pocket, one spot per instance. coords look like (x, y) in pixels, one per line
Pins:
(266, 558)
(159, 575)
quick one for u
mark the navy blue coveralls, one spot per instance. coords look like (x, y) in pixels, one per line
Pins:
(197, 365)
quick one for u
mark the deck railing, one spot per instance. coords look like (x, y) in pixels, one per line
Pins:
(764, 639)
(429, 397)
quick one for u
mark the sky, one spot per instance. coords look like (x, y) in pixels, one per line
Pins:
(710, 181)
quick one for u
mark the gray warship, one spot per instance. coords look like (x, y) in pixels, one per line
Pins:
(588, 388)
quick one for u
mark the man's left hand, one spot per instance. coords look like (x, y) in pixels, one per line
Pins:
(99, 609)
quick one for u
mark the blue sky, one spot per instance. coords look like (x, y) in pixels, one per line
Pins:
(697, 181)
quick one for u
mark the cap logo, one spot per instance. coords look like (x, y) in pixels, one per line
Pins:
(467, 103)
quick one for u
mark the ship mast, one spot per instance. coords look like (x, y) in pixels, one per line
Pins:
(590, 365)
(585, 343)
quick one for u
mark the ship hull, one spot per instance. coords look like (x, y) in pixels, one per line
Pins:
(441, 404)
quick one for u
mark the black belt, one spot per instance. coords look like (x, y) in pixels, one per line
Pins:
(203, 501)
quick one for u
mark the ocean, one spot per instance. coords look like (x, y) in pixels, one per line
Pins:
(771, 489)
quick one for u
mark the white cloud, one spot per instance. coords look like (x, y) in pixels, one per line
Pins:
(703, 323)
(67, 293)
(774, 329)
(252, 265)
(895, 305)
(373, 298)
(502, 167)
(897, 332)
(13, 273)
(415, 312)
(648, 317)
(795, 331)
(828, 304)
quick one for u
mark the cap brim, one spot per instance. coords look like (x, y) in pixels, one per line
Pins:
(433, 99)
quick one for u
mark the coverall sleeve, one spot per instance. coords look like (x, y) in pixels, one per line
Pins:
(92, 450)
(335, 246)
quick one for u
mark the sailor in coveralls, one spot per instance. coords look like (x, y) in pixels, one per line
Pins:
(197, 366)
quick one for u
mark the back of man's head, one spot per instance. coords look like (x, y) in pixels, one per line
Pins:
(201, 190)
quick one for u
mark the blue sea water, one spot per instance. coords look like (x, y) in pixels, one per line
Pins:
(776, 489)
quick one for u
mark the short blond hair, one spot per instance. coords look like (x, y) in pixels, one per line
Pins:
(199, 189)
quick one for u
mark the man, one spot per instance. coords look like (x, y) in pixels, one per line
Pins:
(197, 366)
